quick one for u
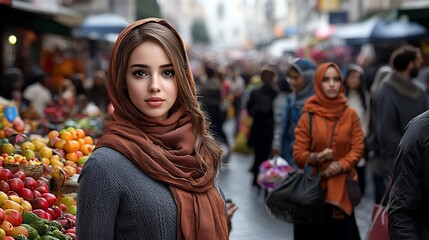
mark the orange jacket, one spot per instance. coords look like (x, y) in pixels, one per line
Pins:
(347, 146)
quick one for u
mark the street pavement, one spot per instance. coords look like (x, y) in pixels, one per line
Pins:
(251, 221)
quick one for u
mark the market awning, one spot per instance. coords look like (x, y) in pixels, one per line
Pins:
(37, 21)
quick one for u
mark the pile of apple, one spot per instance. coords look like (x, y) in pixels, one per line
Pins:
(73, 147)
(20, 193)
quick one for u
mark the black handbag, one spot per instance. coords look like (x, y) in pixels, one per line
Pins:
(353, 191)
(299, 198)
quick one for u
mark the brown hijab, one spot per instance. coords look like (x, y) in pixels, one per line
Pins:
(319, 103)
(165, 151)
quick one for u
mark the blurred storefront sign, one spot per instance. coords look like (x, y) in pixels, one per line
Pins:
(328, 5)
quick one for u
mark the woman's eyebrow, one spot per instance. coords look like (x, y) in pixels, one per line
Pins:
(147, 66)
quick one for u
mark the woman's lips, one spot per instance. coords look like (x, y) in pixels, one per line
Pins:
(154, 101)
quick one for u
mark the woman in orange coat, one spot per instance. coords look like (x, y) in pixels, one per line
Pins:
(336, 147)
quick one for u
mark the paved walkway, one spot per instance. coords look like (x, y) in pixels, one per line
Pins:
(251, 221)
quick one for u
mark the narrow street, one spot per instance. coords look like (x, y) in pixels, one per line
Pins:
(251, 221)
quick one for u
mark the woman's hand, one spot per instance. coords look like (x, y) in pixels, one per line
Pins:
(333, 169)
(230, 210)
(324, 155)
(276, 151)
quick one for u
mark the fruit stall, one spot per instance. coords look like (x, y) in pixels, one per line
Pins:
(38, 178)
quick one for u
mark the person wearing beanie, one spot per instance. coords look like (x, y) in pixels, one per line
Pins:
(260, 108)
(300, 77)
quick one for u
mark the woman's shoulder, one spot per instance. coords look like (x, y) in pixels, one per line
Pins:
(109, 159)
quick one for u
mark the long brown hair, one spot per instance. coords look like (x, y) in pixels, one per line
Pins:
(163, 34)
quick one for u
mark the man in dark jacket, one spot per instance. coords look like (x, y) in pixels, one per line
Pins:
(395, 104)
(409, 196)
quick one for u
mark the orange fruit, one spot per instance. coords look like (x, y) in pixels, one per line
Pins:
(81, 141)
(80, 133)
(88, 140)
(53, 133)
(60, 144)
(73, 132)
(86, 149)
(72, 156)
(2, 135)
(71, 146)
(66, 135)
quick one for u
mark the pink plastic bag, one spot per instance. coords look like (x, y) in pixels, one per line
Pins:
(272, 172)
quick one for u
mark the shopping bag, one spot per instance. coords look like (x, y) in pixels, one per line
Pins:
(272, 172)
(379, 230)
(298, 199)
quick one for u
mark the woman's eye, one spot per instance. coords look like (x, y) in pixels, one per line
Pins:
(169, 73)
(140, 74)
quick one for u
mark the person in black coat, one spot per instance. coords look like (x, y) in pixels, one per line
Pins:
(409, 196)
(260, 108)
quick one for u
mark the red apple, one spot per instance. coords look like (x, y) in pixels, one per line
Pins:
(4, 186)
(51, 212)
(19, 174)
(30, 183)
(13, 216)
(40, 203)
(36, 194)
(42, 183)
(2, 215)
(5, 174)
(42, 190)
(15, 184)
(51, 198)
(63, 207)
(11, 238)
(71, 230)
(26, 194)
(42, 214)
(57, 212)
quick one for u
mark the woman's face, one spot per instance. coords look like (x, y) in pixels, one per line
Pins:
(353, 80)
(296, 81)
(151, 81)
(331, 83)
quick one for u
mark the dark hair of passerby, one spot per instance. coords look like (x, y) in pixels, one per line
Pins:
(268, 74)
(403, 56)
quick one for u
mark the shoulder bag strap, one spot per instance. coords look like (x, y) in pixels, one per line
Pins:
(333, 133)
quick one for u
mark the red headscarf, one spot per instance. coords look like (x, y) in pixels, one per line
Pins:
(165, 151)
(319, 103)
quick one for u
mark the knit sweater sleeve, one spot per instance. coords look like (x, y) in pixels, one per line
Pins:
(97, 202)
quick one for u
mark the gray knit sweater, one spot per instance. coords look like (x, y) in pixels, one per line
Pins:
(117, 200)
